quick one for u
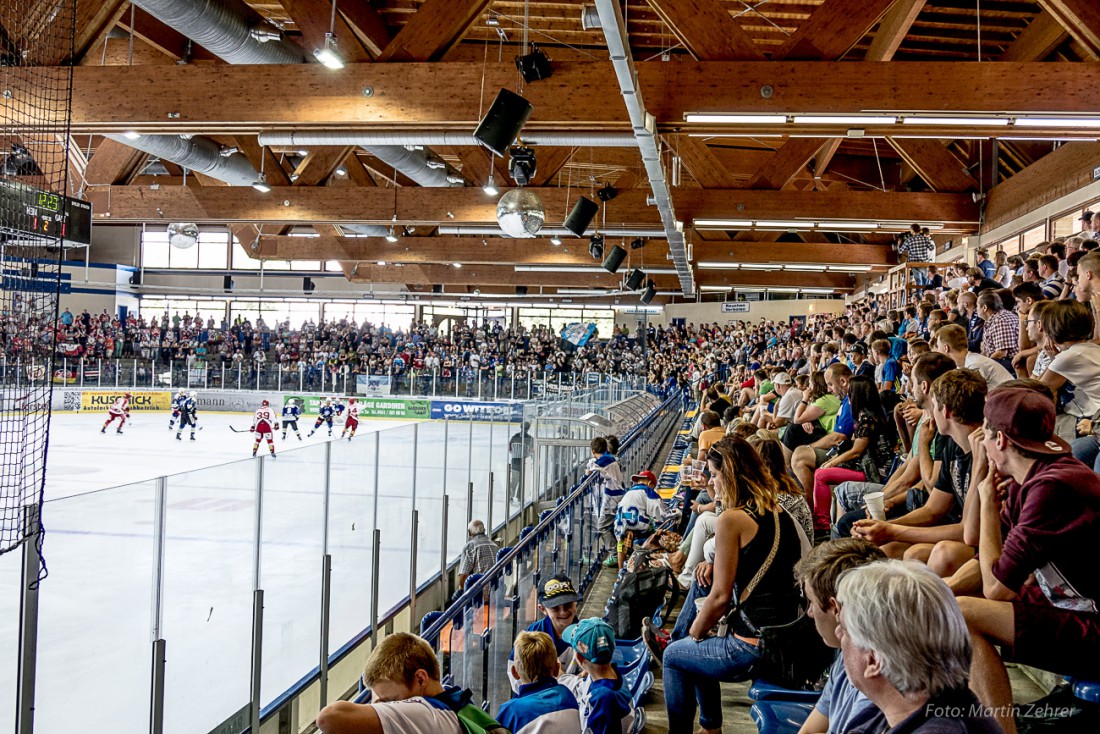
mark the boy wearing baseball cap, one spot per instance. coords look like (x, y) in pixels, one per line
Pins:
(557, 601)
(640, 511)
(605, 707)
(1050, 505)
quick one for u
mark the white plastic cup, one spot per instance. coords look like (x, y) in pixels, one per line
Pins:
(699, 465)
(686, 471)
(699, 604)
(875, 502)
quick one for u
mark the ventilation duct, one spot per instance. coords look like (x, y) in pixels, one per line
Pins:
(223, 27)
(198, 154)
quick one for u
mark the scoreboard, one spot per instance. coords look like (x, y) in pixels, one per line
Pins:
(27, 210)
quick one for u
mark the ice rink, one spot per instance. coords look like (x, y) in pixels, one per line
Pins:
(95, 622)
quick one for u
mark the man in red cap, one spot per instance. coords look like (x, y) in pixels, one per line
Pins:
(1042, 593)
(640, 511)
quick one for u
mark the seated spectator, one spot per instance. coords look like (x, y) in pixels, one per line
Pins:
(1003, 274)
(789, 398)
(1051, 281)
(604, 706)
(805, 459)
(790, 495)
(542, 704)
(1026, 295)
(1069, 327)
(1000, 339)
(887, 370)
(815, 415)
(866, 457)
(478, 555)
(817, 574)
(908, 487)
(979, 281)
(1039, 517)
(402, 674)
(712, 431)
(951, 340)
(756, 548)
(906, 648)
(971, 321)
(639, 513)
(557, 602)
(957, 400)
(858, 362)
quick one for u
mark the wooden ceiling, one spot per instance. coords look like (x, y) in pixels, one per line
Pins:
(433, 65)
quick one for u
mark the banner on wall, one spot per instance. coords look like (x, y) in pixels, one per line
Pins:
(373, 384)
(371, 408)
(98, 400)
(735, 307)
(475, 411)
(229, 401)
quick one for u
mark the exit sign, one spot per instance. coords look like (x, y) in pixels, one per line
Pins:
(1096, 173)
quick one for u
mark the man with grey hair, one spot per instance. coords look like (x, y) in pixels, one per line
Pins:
(906, 647)
(478, 555)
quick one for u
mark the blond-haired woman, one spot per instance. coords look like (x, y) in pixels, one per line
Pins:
(748, 557)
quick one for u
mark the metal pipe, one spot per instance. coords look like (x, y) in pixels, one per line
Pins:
(365, 138)
(28, 621)
(374, 589)
(413, 626)
(199, 154)
(491, 230)
(257, 656)
(326, 573)
(222, 27)
(443, 552)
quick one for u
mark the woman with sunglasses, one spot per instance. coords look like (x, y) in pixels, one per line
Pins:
(748, 558)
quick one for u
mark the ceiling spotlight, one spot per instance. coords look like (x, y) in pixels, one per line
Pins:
(492, 22)
(637, 243)
(327, 54)
(381, 262)
(607, 193)
(392, 236)
(456, 265)
(407, 231)
(294, 177)
(341, 171)
(261, 184)
(131, 135)
(490, 188)
(435, 164)
(595, 247)
(226, 151)
(303, 153)
(523, 165)
(455, 180)
(555, 241)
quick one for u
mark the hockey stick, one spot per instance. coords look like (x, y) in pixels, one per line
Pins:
(240, 430)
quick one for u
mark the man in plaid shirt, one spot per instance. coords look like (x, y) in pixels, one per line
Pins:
(918, 247)
(1001, 339)
(478, 555)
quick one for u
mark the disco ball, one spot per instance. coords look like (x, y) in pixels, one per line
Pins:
(520, 213)
(183, 234)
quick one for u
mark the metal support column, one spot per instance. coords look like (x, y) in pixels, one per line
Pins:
(445, 587)
(156, 698)
(414, 627)
(326, 576)
(374, 589)
(28, 622)
(257, 599)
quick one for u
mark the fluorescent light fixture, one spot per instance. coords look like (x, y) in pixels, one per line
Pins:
(782, 289)
(819, 290)
(722, 223)
(733, 119)
(708, 265)
(582, 269)
(555, 241)
(941, 137)
(312, 234)
(131, 135)
(845, 226)
(845, 120)
(637, 309)
(714, 288)
(584, 292)
(327, 54)
(1080, 123)
(759, 266)
(732, 135)
(381, 262)
(261, 185)
(748, 289)
(1049, 140)
(800, 267)
(958, 121)
(770, 224)
(849, 268)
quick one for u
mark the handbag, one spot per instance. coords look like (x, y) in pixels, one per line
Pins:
(792, 655)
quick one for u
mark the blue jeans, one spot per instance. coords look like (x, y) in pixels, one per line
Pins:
(1086, 449)
(920, 276)
(692, 671)
(688, 611)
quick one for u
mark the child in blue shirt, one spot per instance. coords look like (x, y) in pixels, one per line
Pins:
(542, 704)
(605, 707)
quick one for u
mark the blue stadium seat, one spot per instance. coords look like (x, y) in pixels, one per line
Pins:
(761, 690)
(779, 717)
(428, 620)
(471, 580)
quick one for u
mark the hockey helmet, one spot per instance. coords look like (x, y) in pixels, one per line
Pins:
(193, 394)
(265, 403)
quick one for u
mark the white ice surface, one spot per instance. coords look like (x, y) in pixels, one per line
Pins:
(95, 626)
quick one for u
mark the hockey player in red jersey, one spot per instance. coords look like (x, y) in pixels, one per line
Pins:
(264, 425)
(121, 410)
(351, 419)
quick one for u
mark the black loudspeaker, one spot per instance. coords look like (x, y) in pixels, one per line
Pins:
(614, 259)
(634, 282)
(437, 289)
(308, 285)
(135, 277)
(534, 66)
(581, 216)
(521, 290)
(227, 283)
(502, 123)
(649, 293)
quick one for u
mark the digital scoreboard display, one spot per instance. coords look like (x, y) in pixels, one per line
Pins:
(27, 210)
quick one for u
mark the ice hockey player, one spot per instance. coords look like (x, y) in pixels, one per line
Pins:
(264, 426)
(324, 415)
(121, 410)
(177, 403)
(188, 414)
(291, 411)
(338, 405)
(351, 421)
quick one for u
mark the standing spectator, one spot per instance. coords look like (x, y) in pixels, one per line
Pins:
(971, 321)
(918, 247)
(1001, 336)
(520, 448)
(1039, 515)
(988, 268)
(478, 555)
(906, 647)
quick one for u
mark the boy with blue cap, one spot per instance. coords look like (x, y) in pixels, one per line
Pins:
(605, 707)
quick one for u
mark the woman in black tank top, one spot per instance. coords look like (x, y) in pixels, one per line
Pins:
(745, 540)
